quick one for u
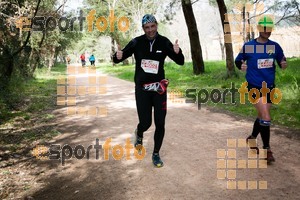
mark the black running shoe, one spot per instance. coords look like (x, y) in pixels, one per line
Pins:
(270, 157)
(157, 162)
(138, 144)
(138, 139)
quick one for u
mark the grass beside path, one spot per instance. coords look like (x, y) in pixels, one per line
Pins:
(25, 111)
(181, 78)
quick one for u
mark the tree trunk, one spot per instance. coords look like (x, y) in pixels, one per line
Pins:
(244, 24)
(227, 39)
(112, 49)
(249, 28)
(51, 59)
(39, 51)
(196, 51)
(8, 63)
(222, 46)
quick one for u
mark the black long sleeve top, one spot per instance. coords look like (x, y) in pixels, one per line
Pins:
(150, 57)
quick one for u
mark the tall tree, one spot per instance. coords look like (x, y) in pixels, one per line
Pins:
(196, 51)
(227, 38)
(288, 10)
(14, 45)
(22, 46)
(132, 10)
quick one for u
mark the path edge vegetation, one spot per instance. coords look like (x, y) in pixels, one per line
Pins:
(26, 118)
(286, 113)
(31, 101)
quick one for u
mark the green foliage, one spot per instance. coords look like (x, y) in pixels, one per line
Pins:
(125, 72)
(21, 50)
(24, 111)
(21, 97)
(102, 43)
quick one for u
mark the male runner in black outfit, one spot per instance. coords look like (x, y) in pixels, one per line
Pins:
(150, 51)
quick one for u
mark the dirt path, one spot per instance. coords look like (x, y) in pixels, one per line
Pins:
(189, 152)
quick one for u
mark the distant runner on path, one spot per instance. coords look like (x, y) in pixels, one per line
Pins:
(82, 58)
(92, 60)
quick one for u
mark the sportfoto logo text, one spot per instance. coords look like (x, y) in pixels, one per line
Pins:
(66, 152)
(50, 23)
(216, 95)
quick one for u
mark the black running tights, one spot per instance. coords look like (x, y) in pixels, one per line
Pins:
(144, 102)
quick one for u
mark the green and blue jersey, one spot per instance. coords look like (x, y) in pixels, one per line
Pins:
(260, 59)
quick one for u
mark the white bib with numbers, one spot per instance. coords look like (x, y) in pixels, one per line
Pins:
(150, 66)
(265, 63)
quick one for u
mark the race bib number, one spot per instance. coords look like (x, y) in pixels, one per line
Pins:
(265, 63)
(150, 66)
